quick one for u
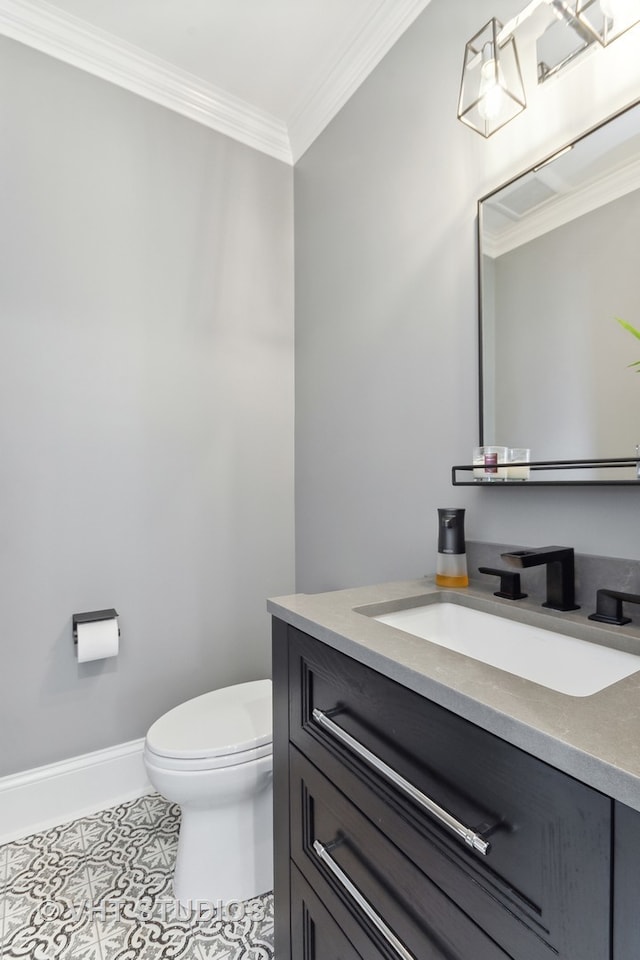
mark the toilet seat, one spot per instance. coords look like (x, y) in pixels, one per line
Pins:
(202, 764)
(223, 728)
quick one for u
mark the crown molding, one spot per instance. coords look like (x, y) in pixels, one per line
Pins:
(350, 68)
(74, 41)
(46, 28)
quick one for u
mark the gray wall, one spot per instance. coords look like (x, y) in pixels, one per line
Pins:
(146, 406)
(386, 310)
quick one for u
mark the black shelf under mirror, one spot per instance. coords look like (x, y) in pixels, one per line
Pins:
(599, 469)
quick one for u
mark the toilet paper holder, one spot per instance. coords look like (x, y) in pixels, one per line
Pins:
(92, 616)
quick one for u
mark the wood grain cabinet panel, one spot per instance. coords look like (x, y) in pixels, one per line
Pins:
(375, 879)
(626, 884)
(357, 785)
(315, 933)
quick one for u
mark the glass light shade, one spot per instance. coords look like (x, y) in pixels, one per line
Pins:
(606, 19)
(491, 92)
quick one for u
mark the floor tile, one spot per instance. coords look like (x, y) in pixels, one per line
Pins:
(40, 932)
(100, 888)
(15, 915)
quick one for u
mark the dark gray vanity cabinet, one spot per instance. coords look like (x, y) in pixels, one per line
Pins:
(626, 884)
(512, 858)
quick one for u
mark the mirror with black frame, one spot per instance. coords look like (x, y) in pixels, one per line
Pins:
(559, 258)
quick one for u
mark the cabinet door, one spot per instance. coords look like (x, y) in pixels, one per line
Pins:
(542, 888)
(367, 883)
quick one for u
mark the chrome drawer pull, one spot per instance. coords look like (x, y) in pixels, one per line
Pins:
(470, 837)
(364, 904)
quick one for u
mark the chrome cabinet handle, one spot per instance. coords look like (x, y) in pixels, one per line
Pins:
(364, 904)
(469, 836)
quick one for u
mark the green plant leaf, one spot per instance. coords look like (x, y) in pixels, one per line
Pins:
(636, 333)
(627, 326)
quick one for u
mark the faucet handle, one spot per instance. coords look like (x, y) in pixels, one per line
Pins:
(509, 583)
(609, 606)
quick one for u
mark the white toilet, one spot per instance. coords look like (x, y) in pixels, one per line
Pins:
(213, 756)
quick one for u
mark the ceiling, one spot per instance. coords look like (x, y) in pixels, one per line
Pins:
(270, 73)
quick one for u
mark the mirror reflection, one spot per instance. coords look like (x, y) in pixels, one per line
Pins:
(558, 263)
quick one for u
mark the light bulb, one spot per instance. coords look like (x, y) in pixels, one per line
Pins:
(491, 94)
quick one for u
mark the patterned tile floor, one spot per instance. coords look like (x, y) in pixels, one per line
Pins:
(99, 888)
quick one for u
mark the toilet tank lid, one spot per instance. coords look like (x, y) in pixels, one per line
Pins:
(220, 723)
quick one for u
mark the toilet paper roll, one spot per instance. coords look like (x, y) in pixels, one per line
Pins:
(97, 640)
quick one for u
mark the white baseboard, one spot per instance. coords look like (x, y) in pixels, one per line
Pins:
(54, 794)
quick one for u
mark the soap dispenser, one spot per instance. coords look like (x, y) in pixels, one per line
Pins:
(451, 570)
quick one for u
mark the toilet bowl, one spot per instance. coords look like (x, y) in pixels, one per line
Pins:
(213, 756)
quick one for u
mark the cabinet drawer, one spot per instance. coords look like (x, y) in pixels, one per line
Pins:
(541, 888)
(314, 933)
(355, 868)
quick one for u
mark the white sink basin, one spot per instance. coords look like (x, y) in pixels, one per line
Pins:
(575, 667)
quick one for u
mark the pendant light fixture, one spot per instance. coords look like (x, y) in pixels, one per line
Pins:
(606, 20)
(491, 92)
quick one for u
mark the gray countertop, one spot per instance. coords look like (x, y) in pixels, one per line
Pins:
(595, 738)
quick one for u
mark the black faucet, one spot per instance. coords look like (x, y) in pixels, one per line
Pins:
(509, 583)
(560, 573)
(609, 606)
